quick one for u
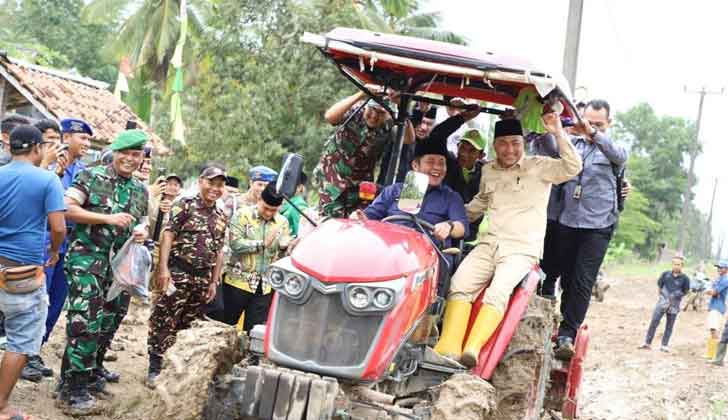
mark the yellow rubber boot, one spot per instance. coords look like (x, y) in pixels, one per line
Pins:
(712, 348)
(454, 324)
(486, 322)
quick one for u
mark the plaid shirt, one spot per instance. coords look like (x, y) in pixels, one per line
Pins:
(249, 258)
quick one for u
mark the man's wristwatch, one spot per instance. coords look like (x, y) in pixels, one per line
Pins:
(452, 225)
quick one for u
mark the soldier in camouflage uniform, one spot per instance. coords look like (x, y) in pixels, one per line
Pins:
(105, 202)
(352, 152)
(190, 256)
(259, 235)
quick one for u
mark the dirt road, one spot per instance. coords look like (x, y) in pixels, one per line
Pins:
(621, 382)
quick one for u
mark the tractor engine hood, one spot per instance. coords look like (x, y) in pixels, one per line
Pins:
(347, 251)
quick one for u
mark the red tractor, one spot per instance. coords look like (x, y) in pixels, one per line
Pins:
(348, 335)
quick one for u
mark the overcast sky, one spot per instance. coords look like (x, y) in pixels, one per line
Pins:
(630, 52)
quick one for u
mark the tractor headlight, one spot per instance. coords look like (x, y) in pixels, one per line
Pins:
(359, 297)
(383, 298)
(276, 277)
(288, 280)
(294, 285)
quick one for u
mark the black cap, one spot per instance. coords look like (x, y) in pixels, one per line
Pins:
(25, 136)
(431, 113)
(430, 146)
(232, 182)
(270, 196)
(509, 127)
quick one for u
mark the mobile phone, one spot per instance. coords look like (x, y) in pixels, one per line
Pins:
(63, 147)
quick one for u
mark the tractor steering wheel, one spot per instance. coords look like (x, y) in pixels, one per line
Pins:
(410, 218)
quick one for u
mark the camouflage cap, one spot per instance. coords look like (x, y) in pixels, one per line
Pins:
(213, 172)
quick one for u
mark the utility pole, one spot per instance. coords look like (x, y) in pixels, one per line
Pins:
(573, 35)
(691, 171)
(709, 235)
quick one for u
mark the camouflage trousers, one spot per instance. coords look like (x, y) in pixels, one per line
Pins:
(175, 312)
(334, 202)
(91, 322)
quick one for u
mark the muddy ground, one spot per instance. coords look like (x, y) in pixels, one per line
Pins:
(620, 383)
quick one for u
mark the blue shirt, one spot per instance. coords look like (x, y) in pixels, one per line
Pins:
(717, 303)
(68, 175)
(27, 195)
(441, 204)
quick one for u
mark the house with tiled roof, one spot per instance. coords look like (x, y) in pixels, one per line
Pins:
(41, 92)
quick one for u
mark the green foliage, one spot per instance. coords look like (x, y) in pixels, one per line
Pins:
(617, 253)
(264, 91)
(657, 169)
(404, 17)
(635, 223)
(55, 36)
(147, 32)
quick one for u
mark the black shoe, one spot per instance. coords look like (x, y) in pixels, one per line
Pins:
(107, 375)
(37, 363)
(80, 402)
(155, 368)
(61, 392)
(565, 349)
(97, 388)
(30, 373)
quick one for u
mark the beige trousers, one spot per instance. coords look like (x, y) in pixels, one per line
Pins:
(485, 265)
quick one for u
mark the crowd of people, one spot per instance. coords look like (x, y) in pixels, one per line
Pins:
(552, 196)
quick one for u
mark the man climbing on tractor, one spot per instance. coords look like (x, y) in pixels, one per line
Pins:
(514, 192)
(352, 152)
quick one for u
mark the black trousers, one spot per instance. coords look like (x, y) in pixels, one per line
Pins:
(255, 305)
(655, 322)
(582, 253)
(551, 262)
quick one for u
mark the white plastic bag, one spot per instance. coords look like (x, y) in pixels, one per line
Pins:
(131, 268)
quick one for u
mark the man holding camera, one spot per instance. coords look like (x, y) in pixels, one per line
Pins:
(588, 218)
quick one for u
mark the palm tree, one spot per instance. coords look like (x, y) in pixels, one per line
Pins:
(148, 31)
(404, 17)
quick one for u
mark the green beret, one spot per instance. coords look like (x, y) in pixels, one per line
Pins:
(130, 139)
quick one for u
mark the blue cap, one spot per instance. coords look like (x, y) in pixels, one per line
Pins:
(75, 125)
(722, 264)
(262, 173)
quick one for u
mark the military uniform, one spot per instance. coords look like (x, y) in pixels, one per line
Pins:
(91, 320)
(199, 236)
(349, 158)
(245, 289)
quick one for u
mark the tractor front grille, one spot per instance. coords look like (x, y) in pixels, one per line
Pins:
(322, 333)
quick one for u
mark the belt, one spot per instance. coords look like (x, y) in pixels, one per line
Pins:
(188, 268)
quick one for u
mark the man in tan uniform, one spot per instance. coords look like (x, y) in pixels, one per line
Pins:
(514, 190)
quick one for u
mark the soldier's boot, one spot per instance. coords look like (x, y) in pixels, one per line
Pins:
(80, 402)
(100, 370)
(485, 324)
(454, 324)
(720, 354)
(97, 387)
(155, 368)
